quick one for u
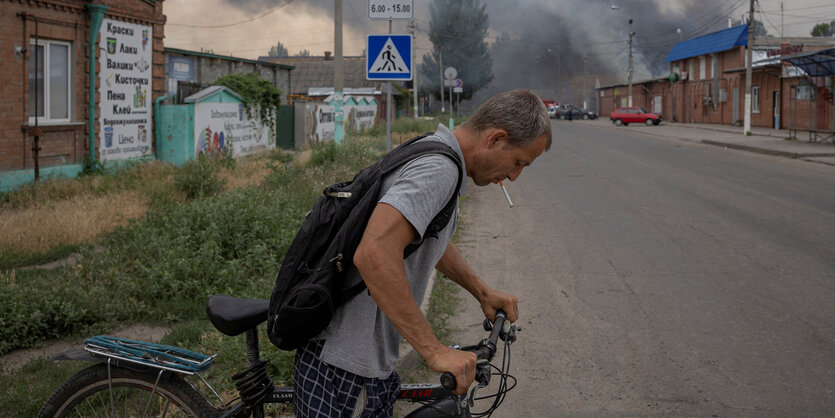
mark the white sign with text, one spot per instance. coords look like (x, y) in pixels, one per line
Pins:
(125, 90)
(390, 9)
(219, 126)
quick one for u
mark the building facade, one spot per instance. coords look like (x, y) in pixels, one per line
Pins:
(187, 72)
(707, 84)
(71, 72)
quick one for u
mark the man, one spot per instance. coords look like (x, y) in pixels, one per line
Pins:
(348, 370)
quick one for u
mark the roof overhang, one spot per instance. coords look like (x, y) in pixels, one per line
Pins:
(815, 64)
(722, 40)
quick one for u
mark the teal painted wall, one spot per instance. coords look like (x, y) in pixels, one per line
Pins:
(175, 134)
(10, 180)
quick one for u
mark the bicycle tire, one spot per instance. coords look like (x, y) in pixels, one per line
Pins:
(87, 394)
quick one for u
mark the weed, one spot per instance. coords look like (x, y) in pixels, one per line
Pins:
(197, 179)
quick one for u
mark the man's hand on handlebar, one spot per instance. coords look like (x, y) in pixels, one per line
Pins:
(460, 363)
(495, 300)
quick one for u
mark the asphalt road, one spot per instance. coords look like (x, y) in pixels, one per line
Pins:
(661, 277)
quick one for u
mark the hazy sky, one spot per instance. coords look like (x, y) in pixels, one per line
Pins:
(248, 28)
(550, 40)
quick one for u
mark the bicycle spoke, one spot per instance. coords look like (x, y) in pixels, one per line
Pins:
(165, 410)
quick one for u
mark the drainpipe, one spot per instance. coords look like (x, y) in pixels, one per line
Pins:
(156, 120)
(96, 17)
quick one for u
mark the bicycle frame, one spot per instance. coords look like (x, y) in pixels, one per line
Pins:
(256, 389)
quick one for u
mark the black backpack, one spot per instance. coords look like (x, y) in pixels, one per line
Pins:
(311, 282)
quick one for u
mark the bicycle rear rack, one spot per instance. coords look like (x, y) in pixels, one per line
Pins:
(158, 356)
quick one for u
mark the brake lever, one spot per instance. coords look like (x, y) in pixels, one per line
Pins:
(482, 377)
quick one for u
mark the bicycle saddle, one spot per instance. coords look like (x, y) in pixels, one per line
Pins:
(234, 316)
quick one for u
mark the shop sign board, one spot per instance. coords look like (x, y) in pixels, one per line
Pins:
(125, 127)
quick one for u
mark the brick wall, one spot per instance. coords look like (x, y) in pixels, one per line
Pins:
(68, 21)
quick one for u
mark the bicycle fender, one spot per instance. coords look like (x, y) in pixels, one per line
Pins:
(76, 355)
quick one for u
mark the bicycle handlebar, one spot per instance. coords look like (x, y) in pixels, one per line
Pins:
(485, 350)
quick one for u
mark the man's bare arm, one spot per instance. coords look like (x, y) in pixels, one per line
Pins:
(379, 258)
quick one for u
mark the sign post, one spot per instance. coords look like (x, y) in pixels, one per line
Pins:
(459, 87)
(450, 73)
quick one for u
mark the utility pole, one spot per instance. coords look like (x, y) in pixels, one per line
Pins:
(629, 76)
(441, 70)
(338, 75)
(585, 75)
(749, 68)
(413, 27)
(388, 110)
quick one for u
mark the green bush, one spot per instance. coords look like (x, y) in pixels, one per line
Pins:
(197, 179)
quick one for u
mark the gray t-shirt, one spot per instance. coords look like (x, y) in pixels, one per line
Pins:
(360, 338)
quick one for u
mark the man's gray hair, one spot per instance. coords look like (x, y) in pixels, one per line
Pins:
(519, 112)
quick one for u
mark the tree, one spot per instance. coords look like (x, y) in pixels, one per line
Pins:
(824, 29)
(279, 50)
(458, 31)
(759, 28)
(257, 93)
(303, 53)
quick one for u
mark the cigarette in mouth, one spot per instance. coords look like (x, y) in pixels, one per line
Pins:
(506, 196)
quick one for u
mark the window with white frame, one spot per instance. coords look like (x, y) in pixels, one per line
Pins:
(712, 60)
(49, 85)
(755, 99)
(702, 74)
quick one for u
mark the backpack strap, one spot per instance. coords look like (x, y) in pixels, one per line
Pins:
(397, 158)
(411, 150)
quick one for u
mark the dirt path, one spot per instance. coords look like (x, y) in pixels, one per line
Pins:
(14, 360)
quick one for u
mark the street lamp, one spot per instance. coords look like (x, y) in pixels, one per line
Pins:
(559, 69)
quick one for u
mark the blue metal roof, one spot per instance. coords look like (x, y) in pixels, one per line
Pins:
(710, 43)
(815, 64)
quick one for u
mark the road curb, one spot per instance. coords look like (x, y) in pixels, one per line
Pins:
(803, 156)
(765, 150)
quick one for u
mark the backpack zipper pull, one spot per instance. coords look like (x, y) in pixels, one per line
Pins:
(342, 195)
(338, 259)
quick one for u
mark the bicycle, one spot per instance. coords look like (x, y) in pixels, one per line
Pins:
(134, 378)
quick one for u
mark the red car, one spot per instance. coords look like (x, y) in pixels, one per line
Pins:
(626, 115)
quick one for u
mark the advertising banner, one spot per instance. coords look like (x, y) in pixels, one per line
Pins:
(359, 117)
(125, 90)
(318, 123)
(219, 126)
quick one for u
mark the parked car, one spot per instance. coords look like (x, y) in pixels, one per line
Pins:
(576, 113)
(552, 111)
(626, 115)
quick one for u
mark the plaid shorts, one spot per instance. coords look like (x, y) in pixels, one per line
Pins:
(322, 390)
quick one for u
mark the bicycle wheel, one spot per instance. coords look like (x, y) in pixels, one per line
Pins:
(134, 394)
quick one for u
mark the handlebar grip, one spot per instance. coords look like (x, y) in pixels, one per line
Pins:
(448, 381)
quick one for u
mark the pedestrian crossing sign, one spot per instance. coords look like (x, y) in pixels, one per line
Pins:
(389, 57)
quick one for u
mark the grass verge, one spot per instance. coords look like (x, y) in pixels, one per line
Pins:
(160, 267)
